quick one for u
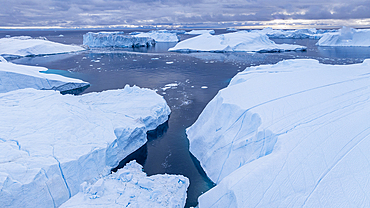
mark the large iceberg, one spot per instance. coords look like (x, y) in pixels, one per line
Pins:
(310, 33)
(160, 35)
(51, 143)
(15, 76)
(237, 41)
(27, 46)
(115, 40)
(293, 134)
(346, 37)
(200, 32)
(130, 187)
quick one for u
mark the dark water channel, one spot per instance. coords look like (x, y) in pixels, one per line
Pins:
(195, 77)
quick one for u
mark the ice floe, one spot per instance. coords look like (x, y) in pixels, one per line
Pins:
(15, 76)
(28, 46)
(52, 143)
(293, 134)
(115, 39)
(236, 41)
(346, 37)
(130, 187)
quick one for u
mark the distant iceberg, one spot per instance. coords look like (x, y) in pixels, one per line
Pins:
(15, 76)
(237, 41)
(28, 46)
(346, 37)
(115, 39)
(160, 35)
(292, 134)
(51, 143)
(200, 32)
(130, 187)
(310, 33)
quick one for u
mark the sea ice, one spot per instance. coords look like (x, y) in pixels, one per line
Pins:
(159, 35)
(200, 32)
(293, 134)
(237, 41)
(115, 39)
(15, 76)
(51, 143)
(130, 187)
(27, 46)
(346, 37)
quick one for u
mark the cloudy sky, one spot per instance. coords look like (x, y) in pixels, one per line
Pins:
(83, 13)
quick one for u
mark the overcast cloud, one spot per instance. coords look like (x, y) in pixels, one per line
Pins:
(81, 13)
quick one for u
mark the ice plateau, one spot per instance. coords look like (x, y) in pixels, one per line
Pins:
(15, 76)
(293, 134)
(236, 41)
(115, 39)
(28, 46)
(51, 143)
(130, 187)
(346, 37)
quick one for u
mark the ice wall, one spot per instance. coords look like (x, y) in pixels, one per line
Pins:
(108, 39)
(346, 37)
(293, 134)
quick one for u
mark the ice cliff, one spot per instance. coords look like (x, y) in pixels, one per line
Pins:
(160, 35)
(51, 143)
(130, 187)
(346, 37)
(237, 41)
(115, 39)
(27, 46)
(15, 76)
(293, 134)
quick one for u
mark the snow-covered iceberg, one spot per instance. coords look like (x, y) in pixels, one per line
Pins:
(346, 37)
(115, 39)
(130, 187)
(51, 143)
(28, 46)
(200, 32)
(237, 41)
(15, 76)
(294, 134)
(160, 35)
(310, 33)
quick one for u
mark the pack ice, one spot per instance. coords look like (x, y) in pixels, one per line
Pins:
(160, 35)
(28, 46)
(115, 39)
(51, 143)
(346, 37)
(14, 76)
(293, 134)
(237, 41)
(130, 187)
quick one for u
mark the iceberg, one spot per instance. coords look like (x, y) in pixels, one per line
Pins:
(15, 76)
(130, 187)
(200, 32)
(293, 134)
(115, 39)
(51, 143)
(160, 36)
(310, 33)
(28, 46)
(236, 41)
(346, 37)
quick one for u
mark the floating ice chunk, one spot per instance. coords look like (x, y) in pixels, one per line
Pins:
(27, 46)
(55, 142)
(346, 37)
(169, 62)
(204, 87)
(231, 29)
(159, 36)
(171, 85)
(15, 76)
(200, 32)
(237, 41)
(115, 39)
(293, 134)
(130, 187)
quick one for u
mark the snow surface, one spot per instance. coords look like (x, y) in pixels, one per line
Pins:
(27, 46)
(15, 76)
(51, 143)
(293, 134)
(130, 187)
(346, 37)
(160, 35)
(200, 32)
(115, 39)
(237, 41)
